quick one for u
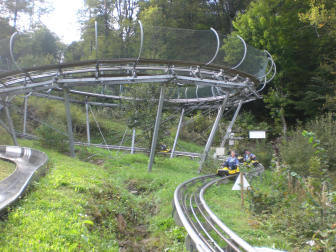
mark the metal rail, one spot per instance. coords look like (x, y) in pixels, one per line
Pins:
(200, 222)
(115, 72)
(139, 149)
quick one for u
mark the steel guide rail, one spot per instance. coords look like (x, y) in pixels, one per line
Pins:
(82, 74)
(200, 222)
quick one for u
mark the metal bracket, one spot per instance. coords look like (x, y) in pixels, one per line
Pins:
(97, 73)
(134, 74)
(245, 51)
(218, 45)
(171, 70)
(11, 50)
(196, 72)
(219, 75)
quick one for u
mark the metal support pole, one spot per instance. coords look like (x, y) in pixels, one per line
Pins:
(96, 38)
(25, 109)
(87, 121)
(213, 132)
(156, 129)
(69, 121)
(11, 126)
(228, 131)
(133, 141)
(177, 133)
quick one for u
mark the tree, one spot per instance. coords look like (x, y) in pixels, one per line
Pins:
(12, 9)
(275, 25)
(192, 14)
(40, 47)
(322, 17)
(141, 112)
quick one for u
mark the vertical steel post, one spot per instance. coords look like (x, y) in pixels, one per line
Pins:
(25, 109)
(213, 132)
(87, 121)
(228, 131)
(11, 125)
(69, 121)
(156, 129)
(96, 38)
(177, 133)
(133, 141)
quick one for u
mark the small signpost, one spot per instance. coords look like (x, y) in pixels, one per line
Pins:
(241, 184)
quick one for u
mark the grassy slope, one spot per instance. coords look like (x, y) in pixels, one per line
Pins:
(112, 203)
(80, 205)
(6, 169)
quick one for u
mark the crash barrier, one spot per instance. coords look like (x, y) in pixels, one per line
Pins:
(192, 212)
(30, 164)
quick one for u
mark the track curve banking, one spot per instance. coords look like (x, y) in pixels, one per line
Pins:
(200, 222)
(29, 163)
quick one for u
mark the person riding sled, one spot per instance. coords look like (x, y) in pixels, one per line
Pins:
(248, 156)
(232, 161)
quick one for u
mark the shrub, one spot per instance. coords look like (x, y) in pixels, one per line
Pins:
(296, 152)
(52, 139)
(325, 129)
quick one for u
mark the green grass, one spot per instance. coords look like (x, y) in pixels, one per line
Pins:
(6, 169)
(84, 206)
(111, 202)
(226, 204)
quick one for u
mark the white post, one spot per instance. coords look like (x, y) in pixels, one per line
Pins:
(177, 133)
(133, 141)
(87, 121)
(69, 121)
(25, 110)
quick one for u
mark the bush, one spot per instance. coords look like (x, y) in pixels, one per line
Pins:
(325, 129)
(52, 139)
(296, 152)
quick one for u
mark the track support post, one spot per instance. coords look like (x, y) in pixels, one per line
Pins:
(177, 133)
(25, 111)
(133, 141)
(11, 125)
(87, 121)
(229, 129)
(69, 121)
(156, 129)
(213, 132)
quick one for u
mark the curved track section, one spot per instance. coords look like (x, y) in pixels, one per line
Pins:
(200, 222)
(83, 77)
(28, 164)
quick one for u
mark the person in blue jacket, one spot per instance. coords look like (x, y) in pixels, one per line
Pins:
(248, 156)
(232, 161)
